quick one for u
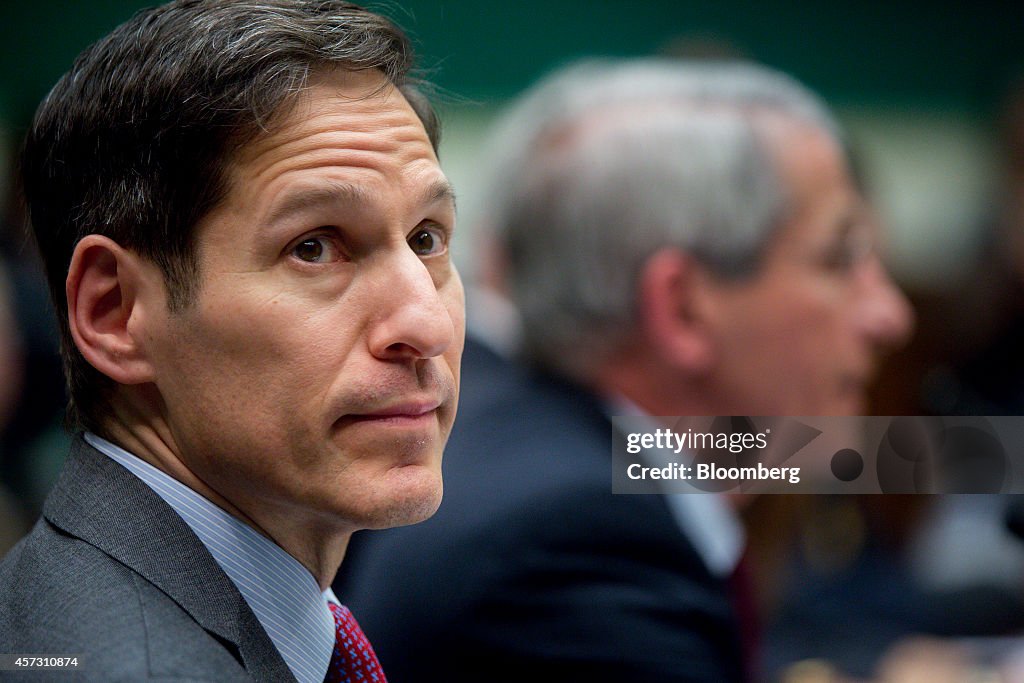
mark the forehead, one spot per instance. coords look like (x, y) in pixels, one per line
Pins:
(816, 182)
(352, 124)
(350, 150)
(809, 159)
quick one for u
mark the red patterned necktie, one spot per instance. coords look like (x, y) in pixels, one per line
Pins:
(353, 660)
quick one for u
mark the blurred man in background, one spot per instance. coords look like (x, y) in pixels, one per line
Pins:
(678, 239)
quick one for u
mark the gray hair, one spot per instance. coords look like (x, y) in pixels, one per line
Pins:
(604, 163)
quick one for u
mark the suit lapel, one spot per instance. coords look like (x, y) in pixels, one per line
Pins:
(102, 503)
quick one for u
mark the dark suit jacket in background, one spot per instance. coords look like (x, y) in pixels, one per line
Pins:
(532, 570)
(112, 574)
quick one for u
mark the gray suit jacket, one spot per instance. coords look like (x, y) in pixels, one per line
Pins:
(112, 574)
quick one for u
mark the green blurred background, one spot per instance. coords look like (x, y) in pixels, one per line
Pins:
(922, 54)
(917, 83)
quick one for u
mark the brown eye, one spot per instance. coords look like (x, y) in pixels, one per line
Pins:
(311, 250)
(427, 242)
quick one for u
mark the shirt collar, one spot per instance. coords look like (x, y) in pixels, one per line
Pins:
(706, 519)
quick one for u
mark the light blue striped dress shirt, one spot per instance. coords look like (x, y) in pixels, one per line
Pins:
(281, 592)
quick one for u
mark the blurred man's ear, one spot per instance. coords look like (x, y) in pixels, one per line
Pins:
(106, 313)
(671, 308)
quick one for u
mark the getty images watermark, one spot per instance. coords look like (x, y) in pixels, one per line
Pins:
(818, 454)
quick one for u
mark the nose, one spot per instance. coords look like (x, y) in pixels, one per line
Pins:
(412, 321)
(885, 316)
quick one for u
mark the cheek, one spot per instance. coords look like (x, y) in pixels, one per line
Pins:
(812, 346)
(251, 361)
(789, 328)
(279, 328)
(455, 299)
(457, 313)
(455, 303)
(820, 317)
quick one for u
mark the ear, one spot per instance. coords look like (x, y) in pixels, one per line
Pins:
(104, 307)
(671, 312)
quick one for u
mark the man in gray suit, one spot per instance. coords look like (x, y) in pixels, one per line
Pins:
(245, 230)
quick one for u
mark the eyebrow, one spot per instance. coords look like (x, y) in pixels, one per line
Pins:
(332, 192)
(441, 191)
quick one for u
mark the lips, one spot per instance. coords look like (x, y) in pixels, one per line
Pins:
(405, 409)
(404, 413)
(397, 400)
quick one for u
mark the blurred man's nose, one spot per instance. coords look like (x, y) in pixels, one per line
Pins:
(885, 315)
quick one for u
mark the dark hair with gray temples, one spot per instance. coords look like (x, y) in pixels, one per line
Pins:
(605, 162)
(134, 141)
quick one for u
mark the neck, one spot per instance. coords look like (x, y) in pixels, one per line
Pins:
(318, 544)
(646, 390)
(655, 389)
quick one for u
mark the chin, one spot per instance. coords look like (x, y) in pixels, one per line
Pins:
(853, 404)
(413, 494)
